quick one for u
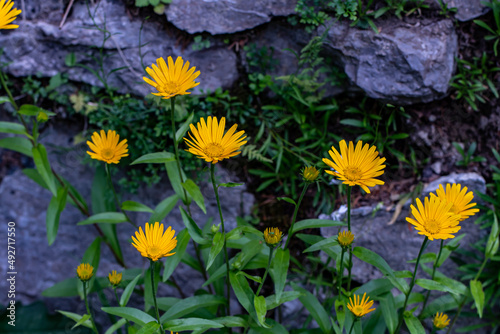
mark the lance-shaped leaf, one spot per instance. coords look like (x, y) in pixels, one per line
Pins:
(217, 244)
(18, 144)
(10, 127)
(191, 304)
(414, 325)
(190, 324)
(259, 303)
(56, 206)
(43, 166)
(154, 158)
(315, 308)
(195, 193)
(127, 292)
(105, 217)
(280, 265)
(136, 207)
(476, 289)
(315, 223)
(131, 314)
(173, 261)
(77, 318)
(192, 227)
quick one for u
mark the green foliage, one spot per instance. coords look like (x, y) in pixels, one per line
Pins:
(494, 31)
(158, 5)
(467, 157)
(445, 10)
(473, 80)
(199, 43)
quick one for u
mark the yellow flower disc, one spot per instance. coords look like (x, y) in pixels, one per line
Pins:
(433, 219)
(107, 148)
(345, 238)
(310, 174)
(272, 236)
(114, 278)
(209, 142)
(460, 199)
(172, 79)
(154, 244)
(441, 320)
(85, 271)
(7, 14)
(356, 165)
(360, 308)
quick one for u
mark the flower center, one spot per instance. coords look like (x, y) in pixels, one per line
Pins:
(358, 310)
(171, 87)
(154, 251)
(214, 150)
(432, 226)
(108, 153)
(352, 173)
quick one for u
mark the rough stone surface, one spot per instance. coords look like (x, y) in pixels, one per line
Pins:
(225, 16)
(399, 243)
(39, 46)
(467, 9)
(403, 64)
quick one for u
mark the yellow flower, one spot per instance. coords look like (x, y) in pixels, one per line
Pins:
(7, 15)
(358, 308)
(345, 238)
(441, 320)
(460, 199)
(272, 236)
(209, 142)
(114, 278)
(356, 166)
(172, 79)
(154, 244)
(107, 148)
(85, 271)
(310, 174)
(433, 219)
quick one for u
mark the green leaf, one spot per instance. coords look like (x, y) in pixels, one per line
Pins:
(237, 233)
(131, 314)
(323, 244)
(154, 158)
(287, 296)
(29, 110)
(352, 122)
(287, 199)
(414, 325)
(92, 256)
(150, 328)
(376, 260)
(194, 230)
(243, 293)
(476, 288)
(449, 248)
(4, 99)
(127, 292)
(257, 279)
(190, 324)
(18, 144)
(173, 261)
(84, 318)
(388, 307)
(105, 217)
(194, 191)
(440, 304)
(231, 321)
(76, 317)
(230, 185)
(65, 288)
(70, 59)
(493, 241)
(56, 206)
(175, 180)
(183, 128)
(114, 328)
(9, 127)
(43, 167)
(141, 3)
(458, 289)
(260, 307)
(191, 304)
(164, 208)
(315, 223)
(280, 264)
(217, 244)
(315, 308)
(136, 207)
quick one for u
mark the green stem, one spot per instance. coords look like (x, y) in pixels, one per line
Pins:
(11, 98)
(411, 284)
(118, 302)
(433, 329)
(434, 267)
(117, 202)
(152, 269)
(290, 233)
(271, 251)
(349, 268)
(94, 328)
(352, 326)
(341, 272)
(226, 258)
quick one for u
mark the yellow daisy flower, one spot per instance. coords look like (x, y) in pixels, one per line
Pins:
(459, 197)
(358, 308)
(107, 148)
(310, 174)
(345, 238)
(154, 244)
(209, 142)
(272, 236)
(441, 320)
(356, 166)
(433, 219)
(7, 14)
(85, 271)
(172, 79)
(114, 278)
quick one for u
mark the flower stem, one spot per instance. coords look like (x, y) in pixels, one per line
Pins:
(290, 233)
(352, 326)
(349, 268)
(434, 266)
(226, 258)
(11, 98)
(117, 202)
(411, 284)
(271, 251)
(118, 302)
(341, 272)
(152, 269)
(94, 328)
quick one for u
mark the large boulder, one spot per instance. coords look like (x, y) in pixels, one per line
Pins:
(404, 63)
(467, 10)
(225, 16)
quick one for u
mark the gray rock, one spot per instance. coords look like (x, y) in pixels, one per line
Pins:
(39, 46)
(403, 64)
(399, 243)
(225, 16)
(467, 9)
